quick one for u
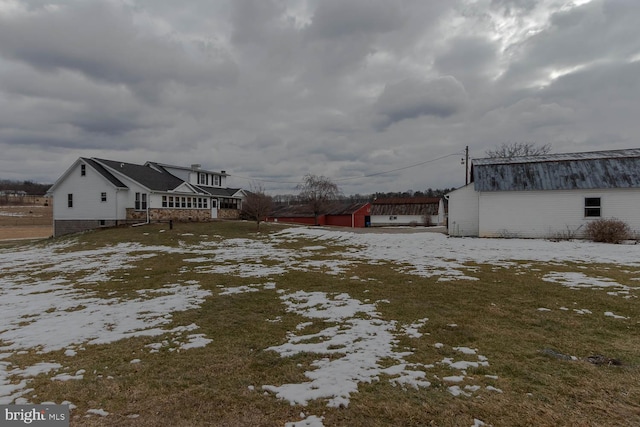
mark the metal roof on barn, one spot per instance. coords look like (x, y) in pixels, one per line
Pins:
(567, 171)
(405, 206)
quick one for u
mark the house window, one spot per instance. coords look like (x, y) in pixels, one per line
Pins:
(202, 178)
(184, 202)
(103, 223)
(83, 170)
(217, 180)
(141, 201)
(164, 201)
(204, 203)
(189, 202)
(229, 203)
(170, 201)
(69, 200)
(103, 197)
(592, 207)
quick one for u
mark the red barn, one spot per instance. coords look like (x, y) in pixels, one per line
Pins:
(339, 214)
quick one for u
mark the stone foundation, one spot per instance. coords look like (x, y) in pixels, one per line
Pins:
(228, 214)
(182, 215)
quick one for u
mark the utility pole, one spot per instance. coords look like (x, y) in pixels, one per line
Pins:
(465, 162)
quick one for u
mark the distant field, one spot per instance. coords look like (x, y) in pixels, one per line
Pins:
(25, 222)
(213, 324)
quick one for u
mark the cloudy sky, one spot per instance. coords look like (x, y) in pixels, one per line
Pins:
(274, 89)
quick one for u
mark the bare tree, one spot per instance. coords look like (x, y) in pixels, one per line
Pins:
(257, 205)
(318, 192)
(518, 149)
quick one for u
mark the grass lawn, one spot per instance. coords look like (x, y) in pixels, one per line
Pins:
(215, 324)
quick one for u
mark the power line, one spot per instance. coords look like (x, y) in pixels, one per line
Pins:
(353, 177)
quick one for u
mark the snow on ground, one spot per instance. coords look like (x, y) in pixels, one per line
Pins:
(41, 309)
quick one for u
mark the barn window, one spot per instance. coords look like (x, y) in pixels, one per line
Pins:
(592, 207)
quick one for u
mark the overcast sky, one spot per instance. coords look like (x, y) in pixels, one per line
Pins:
(276, 89)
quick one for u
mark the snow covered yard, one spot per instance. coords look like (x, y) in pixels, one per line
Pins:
(215, 324)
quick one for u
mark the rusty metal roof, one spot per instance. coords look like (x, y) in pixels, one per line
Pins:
(405, 206)
(568, 171)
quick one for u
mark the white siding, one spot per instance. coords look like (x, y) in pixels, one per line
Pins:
(550, 214)
(463, 212)
(397, 220)
(86, 191)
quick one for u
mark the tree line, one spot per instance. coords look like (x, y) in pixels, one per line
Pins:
(29, 187)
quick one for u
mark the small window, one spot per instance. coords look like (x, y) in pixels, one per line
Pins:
(83, 170)
(70, 200)
(592, 207)
(103, 223)
(103, 197)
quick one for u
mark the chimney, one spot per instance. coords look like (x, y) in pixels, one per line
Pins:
(195, 166)
(223, 172)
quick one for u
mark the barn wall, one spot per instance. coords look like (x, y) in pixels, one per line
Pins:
(463, 212)
(551, 214)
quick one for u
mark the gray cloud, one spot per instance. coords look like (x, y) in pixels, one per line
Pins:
(276, 89)
(410, 99)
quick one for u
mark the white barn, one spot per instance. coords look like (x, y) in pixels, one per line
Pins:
(549, 196)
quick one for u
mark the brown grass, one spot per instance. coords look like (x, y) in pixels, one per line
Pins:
(26, 222)
(496, 314)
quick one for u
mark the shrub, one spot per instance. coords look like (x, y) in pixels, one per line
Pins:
(608, 230)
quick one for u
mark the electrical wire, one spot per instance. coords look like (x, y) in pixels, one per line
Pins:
(352, 177)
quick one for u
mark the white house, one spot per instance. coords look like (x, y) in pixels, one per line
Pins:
(95, 193)
(549, 196)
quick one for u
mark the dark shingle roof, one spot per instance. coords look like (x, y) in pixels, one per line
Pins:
(102, 171)
(150, 178)
(569, 171)
(216, 191)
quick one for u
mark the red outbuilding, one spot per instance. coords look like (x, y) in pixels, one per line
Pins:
(338, 214)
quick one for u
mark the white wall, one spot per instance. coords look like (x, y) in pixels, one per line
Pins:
(463, 211)
(397, 220)
(86, 192)
(550, 214)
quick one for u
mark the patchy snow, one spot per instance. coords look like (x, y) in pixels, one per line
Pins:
(100, 412)
(357, 345)
(43, 310)
(615, 316)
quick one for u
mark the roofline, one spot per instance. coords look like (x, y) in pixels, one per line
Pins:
(82, 160)
(187, 168)
(557, 157)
